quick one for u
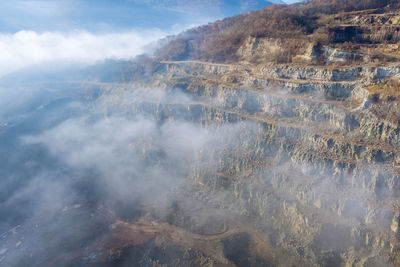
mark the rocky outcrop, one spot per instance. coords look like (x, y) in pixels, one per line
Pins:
(316, 167)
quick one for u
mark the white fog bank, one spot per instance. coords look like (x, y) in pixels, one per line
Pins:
(26, 48)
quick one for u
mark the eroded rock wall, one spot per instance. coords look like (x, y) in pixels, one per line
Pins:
(315, 167)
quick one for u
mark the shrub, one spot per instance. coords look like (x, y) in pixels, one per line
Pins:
(220, 40)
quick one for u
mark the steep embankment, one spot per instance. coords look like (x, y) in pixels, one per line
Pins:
(318, 172)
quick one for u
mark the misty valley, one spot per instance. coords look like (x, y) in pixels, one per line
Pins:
(114, 179)
(103, 173)
(269, 138)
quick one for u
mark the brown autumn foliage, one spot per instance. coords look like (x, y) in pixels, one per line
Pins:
(219, 41)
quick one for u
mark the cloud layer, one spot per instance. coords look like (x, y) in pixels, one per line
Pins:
(26, 48)
(93, 169)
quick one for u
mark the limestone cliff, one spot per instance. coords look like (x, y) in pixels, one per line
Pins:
(316, 176)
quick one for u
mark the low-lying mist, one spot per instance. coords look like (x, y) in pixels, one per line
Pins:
(26, 48)
(66, 161)
(80, 156)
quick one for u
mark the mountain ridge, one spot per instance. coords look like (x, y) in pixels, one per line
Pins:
(302, 23)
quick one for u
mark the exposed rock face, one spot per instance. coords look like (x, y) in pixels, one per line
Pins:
(315, 169)
(317, 173)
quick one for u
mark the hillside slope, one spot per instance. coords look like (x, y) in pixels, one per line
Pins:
(303, 101)
(321, 82)
(294, 27)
